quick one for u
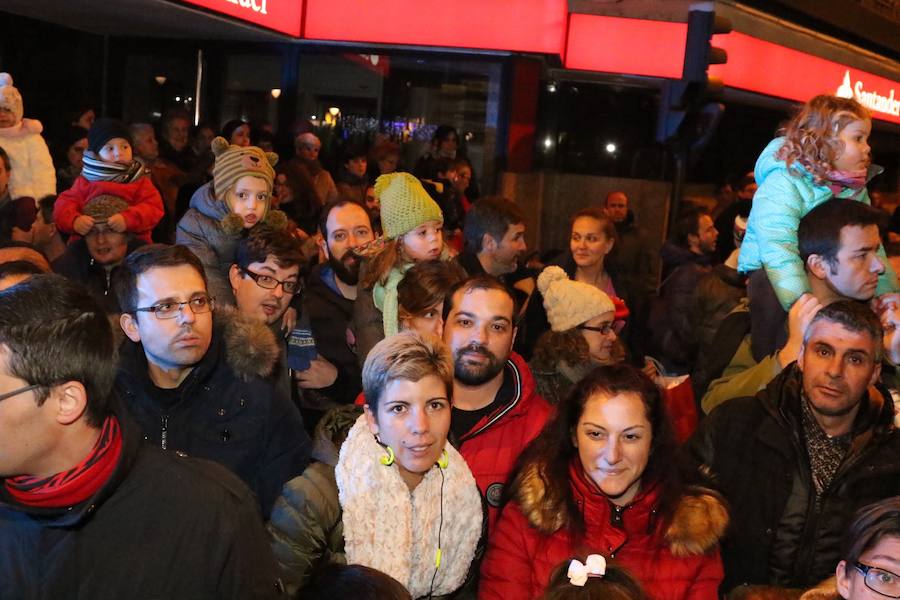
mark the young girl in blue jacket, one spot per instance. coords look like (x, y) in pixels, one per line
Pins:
(824, 153)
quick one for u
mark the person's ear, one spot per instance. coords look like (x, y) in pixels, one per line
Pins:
(876, 373)
(234, 277)
(817, 265)
(842, 578)
(128, 323)
(488, 243)
(70, 401)
(371, 421)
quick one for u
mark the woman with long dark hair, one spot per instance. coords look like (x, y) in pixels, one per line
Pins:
(601, 479)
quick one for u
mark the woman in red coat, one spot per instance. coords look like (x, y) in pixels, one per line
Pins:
(601, 479)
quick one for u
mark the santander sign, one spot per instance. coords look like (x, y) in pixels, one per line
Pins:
(870, 99)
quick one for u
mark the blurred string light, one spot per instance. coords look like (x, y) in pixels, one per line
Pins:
(548, 143)
(611, 148)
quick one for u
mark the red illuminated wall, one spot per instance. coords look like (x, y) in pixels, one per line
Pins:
(518, 25)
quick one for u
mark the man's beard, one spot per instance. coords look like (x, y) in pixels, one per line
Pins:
(476, 374)
(347, 268)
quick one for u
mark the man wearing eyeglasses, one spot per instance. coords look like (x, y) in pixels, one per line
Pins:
(87, 509)
(197, 384)
(265, 278)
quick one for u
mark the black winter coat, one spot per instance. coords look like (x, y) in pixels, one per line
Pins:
(226, 411)
(163, 526)
(78, 265)
(330, 316)
(753, 450)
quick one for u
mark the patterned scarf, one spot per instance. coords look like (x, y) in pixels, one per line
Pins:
(96, 169)
(78, 483)
(840, 180)
(825, 453)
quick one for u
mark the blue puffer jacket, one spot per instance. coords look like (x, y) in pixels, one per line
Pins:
(783, 198)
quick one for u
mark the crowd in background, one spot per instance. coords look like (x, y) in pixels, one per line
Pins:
(226, 373)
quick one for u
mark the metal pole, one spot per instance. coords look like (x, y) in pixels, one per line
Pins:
(104, 85)
(198, 86)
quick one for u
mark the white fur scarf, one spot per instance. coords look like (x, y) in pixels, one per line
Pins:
(396, 532)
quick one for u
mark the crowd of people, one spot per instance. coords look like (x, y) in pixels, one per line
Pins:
(225, 375)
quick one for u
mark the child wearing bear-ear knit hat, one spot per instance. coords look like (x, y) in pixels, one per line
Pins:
(110, 169)
(31, 172)
(227, 208)
(412, 222)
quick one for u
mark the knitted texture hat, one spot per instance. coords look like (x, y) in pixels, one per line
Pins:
(104, 130)
(404, 204)
(10, 98)
(234, 162)
(570, 303)
(103, 206)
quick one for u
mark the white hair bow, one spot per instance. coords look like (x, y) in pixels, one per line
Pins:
(578, 573)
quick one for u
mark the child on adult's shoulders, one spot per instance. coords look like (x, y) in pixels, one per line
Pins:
(110, 169)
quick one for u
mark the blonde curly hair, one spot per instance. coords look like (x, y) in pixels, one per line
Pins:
(811, 136)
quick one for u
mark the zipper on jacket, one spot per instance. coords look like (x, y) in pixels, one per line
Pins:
(164, 432)
(108, 277)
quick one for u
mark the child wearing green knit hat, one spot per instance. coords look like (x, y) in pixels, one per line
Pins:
(412, 223)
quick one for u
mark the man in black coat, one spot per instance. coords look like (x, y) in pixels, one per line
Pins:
(335, 378)
(195, 384)
(86, 508)
(798, 459)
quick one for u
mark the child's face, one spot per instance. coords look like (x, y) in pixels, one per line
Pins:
(856, 154)
(116, 150)
(248, 199)
(424, 242)
(7, 118)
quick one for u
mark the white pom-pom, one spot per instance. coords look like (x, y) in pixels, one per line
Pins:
(548, 276)
(5, 79)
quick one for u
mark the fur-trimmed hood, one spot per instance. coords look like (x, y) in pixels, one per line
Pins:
(697, 525)
(250, 347)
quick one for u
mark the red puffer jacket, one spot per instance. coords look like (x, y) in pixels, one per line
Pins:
(680, 563)
(144, 212)
(496, 441)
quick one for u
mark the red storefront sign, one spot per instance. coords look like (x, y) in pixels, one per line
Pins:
(514, 25)
(283, 16)
(656, 49)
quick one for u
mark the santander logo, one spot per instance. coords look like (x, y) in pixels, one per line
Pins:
(870, 99)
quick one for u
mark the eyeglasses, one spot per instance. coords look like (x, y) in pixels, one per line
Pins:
(603, 329)
(170, 310)
(880, 581)
(268, 282)
(21, 390)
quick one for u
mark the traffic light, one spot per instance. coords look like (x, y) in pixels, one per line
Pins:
(684, 108)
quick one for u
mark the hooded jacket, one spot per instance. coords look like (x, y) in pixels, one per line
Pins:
(162, 526)
(32, 174)
(752, 450)
(786, 195)
(226, 411)
(492, 446)
(200, 230)
(680, 561)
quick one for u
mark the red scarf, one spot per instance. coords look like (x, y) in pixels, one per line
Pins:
(78, 483)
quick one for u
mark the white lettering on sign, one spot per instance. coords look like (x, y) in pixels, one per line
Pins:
(870, 99)
(257, 6)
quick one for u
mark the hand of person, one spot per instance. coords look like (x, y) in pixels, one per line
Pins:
(288, 320)
(885, 302)
(799, 318)
(116, 223)
(83, 224)
(650, 369)
(890, 320)
(320, 374)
